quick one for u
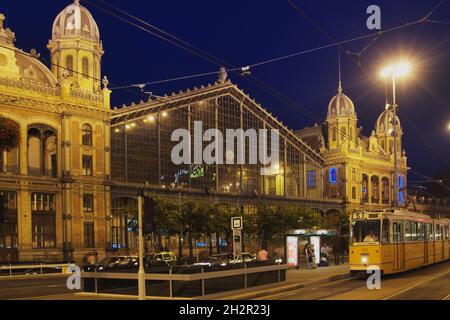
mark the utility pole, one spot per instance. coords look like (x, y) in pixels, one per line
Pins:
(394, 107)
(141, 273)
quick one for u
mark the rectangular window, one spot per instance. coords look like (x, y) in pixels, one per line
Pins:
(429, 231)
(397, 232)
(414, 236)
(438, 235)
(353, 193)
(87, 165)
(43, 220)
(408, 231)
(386, 231)
(312, 179)
(88, 203)
(89, 235)
(420, 231)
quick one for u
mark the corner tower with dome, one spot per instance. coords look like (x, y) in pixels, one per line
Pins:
(55, 181)
(358, 169)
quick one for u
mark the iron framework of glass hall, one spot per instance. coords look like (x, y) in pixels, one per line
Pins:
(141, 146)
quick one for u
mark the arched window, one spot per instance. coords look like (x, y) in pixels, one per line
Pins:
(85, 67)
(86, 135)
(69, 65)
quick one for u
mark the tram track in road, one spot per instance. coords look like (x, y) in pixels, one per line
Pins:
(428, 283)
(319, 291)
(435, 288)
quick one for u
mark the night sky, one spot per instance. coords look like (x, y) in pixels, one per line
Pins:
(246, 32)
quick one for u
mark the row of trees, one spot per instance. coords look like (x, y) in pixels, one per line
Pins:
(195, 219)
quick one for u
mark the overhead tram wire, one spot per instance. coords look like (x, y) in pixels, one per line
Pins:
(322, 30)
(438, 182)
(211, 58)
(167, 80)
(220, 62)
(232, 68)
(430, 145)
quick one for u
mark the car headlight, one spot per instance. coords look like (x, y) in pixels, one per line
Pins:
(364, 259)
(223, 264)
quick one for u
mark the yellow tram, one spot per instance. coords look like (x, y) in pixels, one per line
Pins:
(396, 241)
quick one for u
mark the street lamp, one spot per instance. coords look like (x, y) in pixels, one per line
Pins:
(398, 70)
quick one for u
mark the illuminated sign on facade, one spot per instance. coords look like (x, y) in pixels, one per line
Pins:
(333, 176)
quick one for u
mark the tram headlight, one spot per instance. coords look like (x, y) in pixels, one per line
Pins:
(364, 259)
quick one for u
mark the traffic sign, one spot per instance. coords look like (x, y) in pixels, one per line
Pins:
(236, 223)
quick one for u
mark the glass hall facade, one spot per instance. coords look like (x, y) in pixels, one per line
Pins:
(141, 147)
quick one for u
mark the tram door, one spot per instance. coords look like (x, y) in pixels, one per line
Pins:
(399, 252)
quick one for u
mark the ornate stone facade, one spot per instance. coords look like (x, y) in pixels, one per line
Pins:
(358, 169)
(55, 182)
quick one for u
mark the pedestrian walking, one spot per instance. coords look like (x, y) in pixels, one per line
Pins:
(263, 255)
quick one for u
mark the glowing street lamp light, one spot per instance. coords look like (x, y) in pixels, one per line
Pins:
(400, 69)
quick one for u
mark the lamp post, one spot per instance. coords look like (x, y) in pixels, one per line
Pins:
(394, 71)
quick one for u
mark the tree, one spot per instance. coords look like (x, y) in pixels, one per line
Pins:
(9, 134)
(187, 212)
(166, 218)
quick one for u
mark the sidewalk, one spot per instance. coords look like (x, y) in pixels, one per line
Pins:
(295, 279)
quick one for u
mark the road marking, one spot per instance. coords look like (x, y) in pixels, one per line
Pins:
(416, 285)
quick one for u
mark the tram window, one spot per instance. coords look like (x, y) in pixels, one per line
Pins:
(437, 229)
(386, 231)
(420, 231)
(397, 231)
(429, 231)
(366, 230)
(408, 233)
(413, 231)
(446, 233)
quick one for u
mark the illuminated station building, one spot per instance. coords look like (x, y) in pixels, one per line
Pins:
(81, 163)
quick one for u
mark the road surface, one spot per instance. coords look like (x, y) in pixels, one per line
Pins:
(430, 283)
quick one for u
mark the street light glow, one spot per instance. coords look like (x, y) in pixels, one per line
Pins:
(399, 69)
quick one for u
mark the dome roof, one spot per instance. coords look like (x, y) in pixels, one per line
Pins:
(385, 123)
(341, 105)
(75, 20)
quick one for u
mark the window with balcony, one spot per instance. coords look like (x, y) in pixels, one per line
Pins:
(89, 235)
(88, 203)
(87, 166)
(86, 135)
(43, 211)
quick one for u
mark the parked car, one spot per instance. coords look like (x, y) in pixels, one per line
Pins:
(225, 259)
(244, 258)
(114, 263)
(216, 260)
(161, 258)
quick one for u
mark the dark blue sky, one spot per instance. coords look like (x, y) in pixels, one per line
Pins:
(245, 32)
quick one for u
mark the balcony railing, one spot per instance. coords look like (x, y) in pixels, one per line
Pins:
(9, 169)
(39, 172)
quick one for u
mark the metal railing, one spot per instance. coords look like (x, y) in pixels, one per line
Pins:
(201, 276)
(38, 267)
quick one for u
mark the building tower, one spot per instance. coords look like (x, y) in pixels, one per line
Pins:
(384, 129)
(341, 120)
(76, 49)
